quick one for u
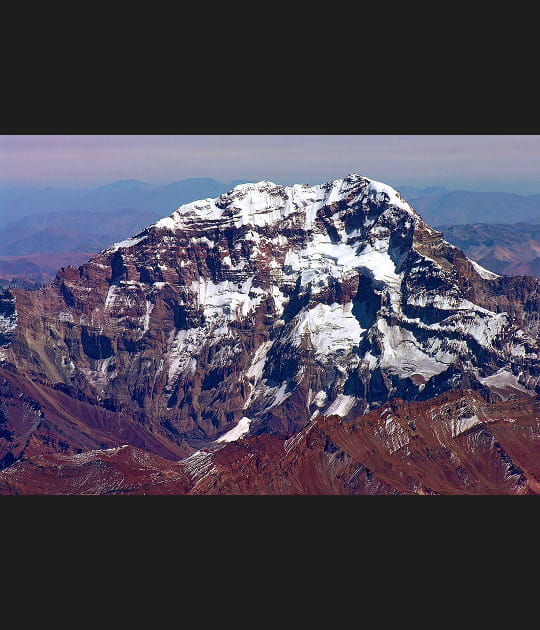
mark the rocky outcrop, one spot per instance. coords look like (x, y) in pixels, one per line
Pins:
(269, 306)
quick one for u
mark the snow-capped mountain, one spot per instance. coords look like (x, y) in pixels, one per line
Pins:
(261, 309)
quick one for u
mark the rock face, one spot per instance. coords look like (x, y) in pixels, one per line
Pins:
(255, 312)
(455, 443)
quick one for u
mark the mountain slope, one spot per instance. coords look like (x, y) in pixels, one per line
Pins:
(259, 310)
(455, 443)
(37, 419)
(452, 444)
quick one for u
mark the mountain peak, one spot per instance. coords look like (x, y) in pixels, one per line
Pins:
(264, 203)
(264, 183)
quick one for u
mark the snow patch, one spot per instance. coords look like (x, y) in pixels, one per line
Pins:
(447, 302)
(202, 240)
(341, 405)
(228, 263)
(402, 354)
(183, 348)
(111, 296)
(256, 368)
(8, 323)
(482, 272)
(146, 316)
(330, 329)
(128, 242)
(198, 464)
(460, 425)
(503, 379)
(376, 260)
(486, 329)
(319, 399)
(392, 434)
(230, 299)
(380, 190)
(236, 432)
(66, 316)
(277, 395)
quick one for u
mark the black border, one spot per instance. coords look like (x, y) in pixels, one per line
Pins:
(354, 101)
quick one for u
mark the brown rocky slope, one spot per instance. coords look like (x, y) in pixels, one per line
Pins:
(455, 444)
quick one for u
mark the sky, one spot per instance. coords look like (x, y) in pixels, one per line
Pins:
(499, 163)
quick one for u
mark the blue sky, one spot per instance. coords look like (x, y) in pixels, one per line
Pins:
(505, 163)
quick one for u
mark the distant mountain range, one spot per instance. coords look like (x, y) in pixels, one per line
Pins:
(506, 249)
(131, 193)
(42, 227)
(463, 206)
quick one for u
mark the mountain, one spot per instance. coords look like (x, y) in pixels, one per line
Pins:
(253, 314)
(452, 444)
(507, 249)
(61, 232)
(33, 248)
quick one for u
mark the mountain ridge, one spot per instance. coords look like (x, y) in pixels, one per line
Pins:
(454, 444)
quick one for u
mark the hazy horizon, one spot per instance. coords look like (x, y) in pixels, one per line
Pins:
(481, 163)
(244, 179)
